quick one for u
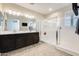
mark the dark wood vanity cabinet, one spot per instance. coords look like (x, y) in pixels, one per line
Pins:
(11, 42)
(7, 43)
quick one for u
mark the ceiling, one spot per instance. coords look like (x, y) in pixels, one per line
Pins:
(43, 8)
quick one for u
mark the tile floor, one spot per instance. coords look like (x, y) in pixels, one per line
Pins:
(39, 49)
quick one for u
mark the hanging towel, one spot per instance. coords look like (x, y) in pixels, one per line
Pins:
(77, 27)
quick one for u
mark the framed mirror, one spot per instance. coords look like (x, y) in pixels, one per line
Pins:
(12, 23)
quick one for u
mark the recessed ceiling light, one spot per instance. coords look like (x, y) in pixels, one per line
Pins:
(50, 9)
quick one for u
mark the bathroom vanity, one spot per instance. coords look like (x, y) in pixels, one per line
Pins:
(15, 40)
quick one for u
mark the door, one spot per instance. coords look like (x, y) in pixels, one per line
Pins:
(48, 31)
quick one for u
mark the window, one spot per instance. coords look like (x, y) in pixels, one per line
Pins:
(70, 19)
(75, 21)
(67, 21)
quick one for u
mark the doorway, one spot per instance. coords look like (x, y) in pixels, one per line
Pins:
(48, 30)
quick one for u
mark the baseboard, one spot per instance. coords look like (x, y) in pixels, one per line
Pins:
(68, 51)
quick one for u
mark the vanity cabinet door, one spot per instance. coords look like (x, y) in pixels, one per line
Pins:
(26, 39)
(8, 43)
(34, 37)
(21, 40)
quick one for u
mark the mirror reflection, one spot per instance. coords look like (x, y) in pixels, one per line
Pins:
(1, 21)
(17, 23)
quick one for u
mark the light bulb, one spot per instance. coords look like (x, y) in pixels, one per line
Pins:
(6, 10)
(18, 13)
(26, 15)
(10, 11)
(13, 12)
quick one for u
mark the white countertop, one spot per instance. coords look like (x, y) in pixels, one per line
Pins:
(10, 32)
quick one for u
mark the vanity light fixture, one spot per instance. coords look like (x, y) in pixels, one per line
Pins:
(31, 17)
(14, 13)
(18, 13)
(26, 15)
(6, 11)
(10, 11)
